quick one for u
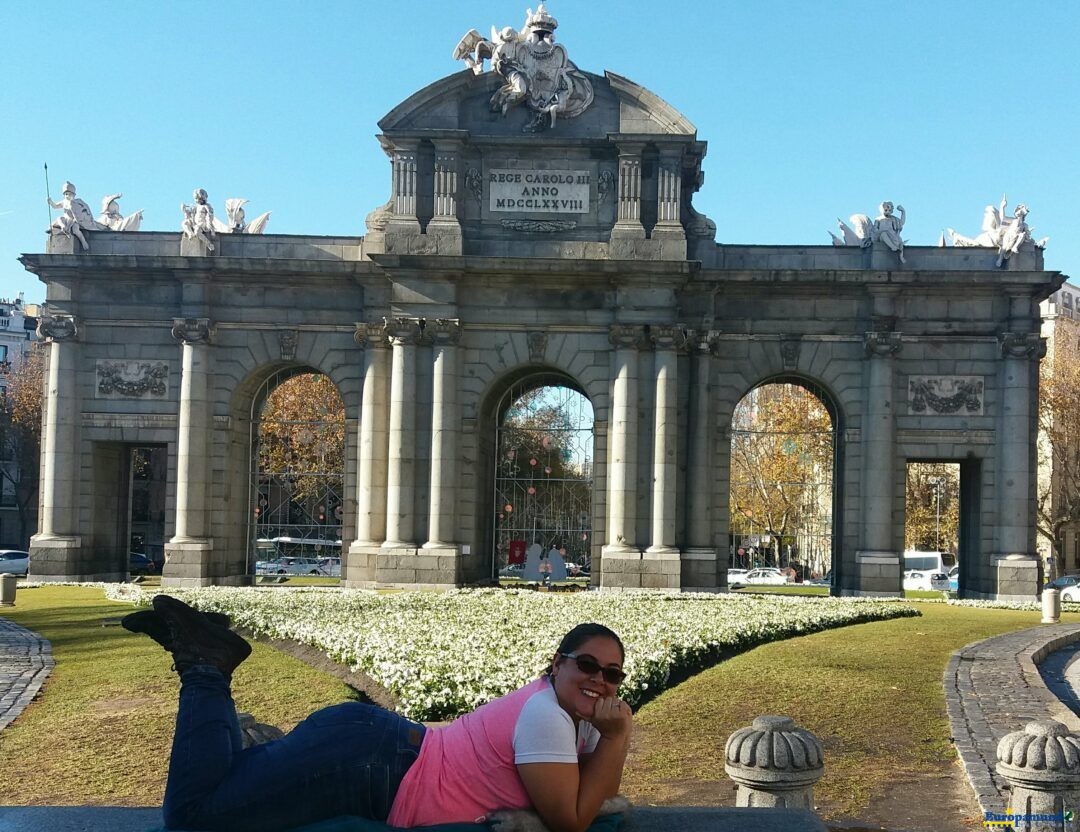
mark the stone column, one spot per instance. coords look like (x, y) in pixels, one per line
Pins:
(1042, 767)
(628, 223)
(444, 426)
(620, 556)
(699, 558)
(668, 230)
(371, 451)
(404, 159)
(667, 339)
(187, 552)
(622, 478)
(55, 545)
(1016, 564)
(404, 336)
(774, 763)
(878, 561)
(446, 183)
(444, 226)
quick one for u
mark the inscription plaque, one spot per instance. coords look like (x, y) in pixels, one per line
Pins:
(539, 191)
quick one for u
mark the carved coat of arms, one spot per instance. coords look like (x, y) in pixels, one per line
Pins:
(536, 70)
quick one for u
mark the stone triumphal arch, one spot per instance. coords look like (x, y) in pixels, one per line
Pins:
(541, 224)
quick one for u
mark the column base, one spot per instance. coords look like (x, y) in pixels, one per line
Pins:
(56, 557)
(1017, 576)
(702, 571)
(661, 568)
(409, 567)
(359, 568)
(188, 563)
(878, 574)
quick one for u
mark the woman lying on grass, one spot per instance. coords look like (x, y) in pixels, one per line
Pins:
(556, 745)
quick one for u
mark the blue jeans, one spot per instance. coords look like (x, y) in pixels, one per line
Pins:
(348, 759)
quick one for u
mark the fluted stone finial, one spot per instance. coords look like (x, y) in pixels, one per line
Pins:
(1042, 766)
(774, 763)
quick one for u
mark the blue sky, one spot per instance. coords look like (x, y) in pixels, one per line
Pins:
(812, 110)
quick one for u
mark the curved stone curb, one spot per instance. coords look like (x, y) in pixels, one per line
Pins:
(25, 660)
(994, 687)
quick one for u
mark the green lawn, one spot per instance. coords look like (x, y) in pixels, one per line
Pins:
(101, 733)
(871, 692)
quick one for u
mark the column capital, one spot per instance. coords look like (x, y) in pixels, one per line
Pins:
(192, 330)
(371, 334)
(1022, 345)
(627, 336)
(403, 331)
(58, 326)
(667, 336)
(443, 332)
(882, 344)
(702, 340)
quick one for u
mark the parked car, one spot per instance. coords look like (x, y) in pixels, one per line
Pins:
(824, 580)
(954, 579)
(1064, 581)
(294, 566)
(736, 577)
(140, 564)
(767, 577)
(929, 581)
(1071, 593)
(14, 561)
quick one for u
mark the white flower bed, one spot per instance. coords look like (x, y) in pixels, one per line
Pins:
(443, 654)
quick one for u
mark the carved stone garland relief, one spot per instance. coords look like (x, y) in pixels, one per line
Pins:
(946, 395)
(132, 379)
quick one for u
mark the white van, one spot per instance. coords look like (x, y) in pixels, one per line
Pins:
(929, 561)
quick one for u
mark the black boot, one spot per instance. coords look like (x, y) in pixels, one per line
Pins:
(152, 624)
(196, 640)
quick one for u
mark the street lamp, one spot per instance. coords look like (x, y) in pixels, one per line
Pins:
(938, 484)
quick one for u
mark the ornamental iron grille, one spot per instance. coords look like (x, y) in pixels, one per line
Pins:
(298, 469)
(782, 461)
(543, 478)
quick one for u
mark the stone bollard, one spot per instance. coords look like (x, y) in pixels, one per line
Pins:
(8, 585)
(1051, 604)
(1042, 766)
(774, 763)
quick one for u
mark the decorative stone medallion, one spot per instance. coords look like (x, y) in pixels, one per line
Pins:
(946, 395)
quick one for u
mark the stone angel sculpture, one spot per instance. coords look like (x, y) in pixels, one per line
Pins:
(75, 217)
(198, 223)
(864, 232)
(1006, 234)
(112, 219)
(535, 69)
(237, 224)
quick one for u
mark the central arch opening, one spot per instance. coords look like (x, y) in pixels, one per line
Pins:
(543, 484)
(297, 478)
(783, 459)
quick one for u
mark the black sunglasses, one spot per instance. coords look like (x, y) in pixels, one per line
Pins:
(590, 667)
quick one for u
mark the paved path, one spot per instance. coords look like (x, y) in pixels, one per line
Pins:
(994, 687)
(25, 661)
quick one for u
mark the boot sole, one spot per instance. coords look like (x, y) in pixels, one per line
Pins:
(222, 647)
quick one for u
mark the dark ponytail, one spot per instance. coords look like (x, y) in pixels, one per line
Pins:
(579, 635)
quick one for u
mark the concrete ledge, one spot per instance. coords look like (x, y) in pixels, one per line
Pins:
(683, 819)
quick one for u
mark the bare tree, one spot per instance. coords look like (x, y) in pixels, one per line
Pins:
(1058, 505)
(20, 438)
